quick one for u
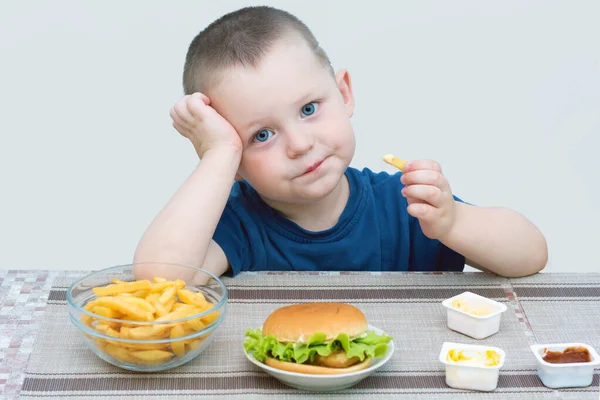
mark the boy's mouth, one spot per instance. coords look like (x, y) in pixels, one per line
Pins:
(313, 167)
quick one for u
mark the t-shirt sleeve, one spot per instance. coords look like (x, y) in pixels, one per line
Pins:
(230, 236)
(234, 234)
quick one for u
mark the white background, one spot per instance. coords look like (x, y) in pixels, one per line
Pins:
(505, 95)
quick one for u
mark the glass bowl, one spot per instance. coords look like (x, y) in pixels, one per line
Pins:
(164, 319)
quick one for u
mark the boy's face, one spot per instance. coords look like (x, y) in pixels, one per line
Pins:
(293, 118)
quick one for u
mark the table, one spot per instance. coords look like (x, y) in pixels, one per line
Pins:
(43, 357)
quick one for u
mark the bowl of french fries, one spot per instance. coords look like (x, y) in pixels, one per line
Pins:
(150, 316)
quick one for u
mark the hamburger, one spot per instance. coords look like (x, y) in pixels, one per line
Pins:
(316, 338)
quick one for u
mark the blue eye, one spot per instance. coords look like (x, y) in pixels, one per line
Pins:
(264, 135)
(309, 109)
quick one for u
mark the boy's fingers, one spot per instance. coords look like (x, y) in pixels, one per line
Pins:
(173, 114)
(427, 193)
(196, 107)
(422, 164)
(422, 211)
(425, 177)
(182, 112)
(410, 201)
(180, 128)
(202, 97)
(190, 109)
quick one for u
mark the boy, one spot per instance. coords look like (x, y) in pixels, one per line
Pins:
(267, 114)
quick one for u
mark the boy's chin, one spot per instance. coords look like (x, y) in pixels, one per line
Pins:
(318, 190)
(301, 195)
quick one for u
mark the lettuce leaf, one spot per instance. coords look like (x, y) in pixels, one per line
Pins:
(261, 347)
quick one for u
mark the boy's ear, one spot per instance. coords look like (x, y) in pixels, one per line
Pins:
(342, 78)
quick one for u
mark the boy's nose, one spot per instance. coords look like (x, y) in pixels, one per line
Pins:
(299, 142)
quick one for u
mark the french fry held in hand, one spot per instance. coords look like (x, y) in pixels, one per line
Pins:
(158, 301)
(395, 161)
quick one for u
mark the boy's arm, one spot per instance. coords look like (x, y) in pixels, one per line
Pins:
(182, 232)
(497, 240)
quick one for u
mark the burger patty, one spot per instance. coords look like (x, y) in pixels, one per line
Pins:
(337, 359)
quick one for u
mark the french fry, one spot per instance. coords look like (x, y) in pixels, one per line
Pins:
(152, 356)
(194, 343)
(179, 284)
(151, 298)
(195, 324)
(163, 309)
(142, 303)
(87, 319)
(124, 307)
(178, 306)
(160, 286)
(167, 295)
(189, 297)
(106, 312)
(102, 326)
(395, 161)
(200, 295)
(148, 346)
(141, 293)
(178, 347)
(207, 319)
(111, 332)
(179, 314)
(150, 332)
(116, 288)
(120, 353)
(124, 332)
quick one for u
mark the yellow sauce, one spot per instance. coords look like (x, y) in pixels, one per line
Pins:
(461, 304)
(471, 357)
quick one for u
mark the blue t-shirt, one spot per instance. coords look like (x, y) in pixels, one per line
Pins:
(374, 233)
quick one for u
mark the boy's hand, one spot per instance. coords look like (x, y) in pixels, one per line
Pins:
(429, 197)
(195, 119)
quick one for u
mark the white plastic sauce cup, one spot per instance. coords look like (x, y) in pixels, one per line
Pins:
(472, 377)
(475, 326)
(565, 375)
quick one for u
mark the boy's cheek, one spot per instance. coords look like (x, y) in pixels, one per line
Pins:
(253, 167)
(338, 129)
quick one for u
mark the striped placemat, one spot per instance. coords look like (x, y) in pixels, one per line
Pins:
(405, 305)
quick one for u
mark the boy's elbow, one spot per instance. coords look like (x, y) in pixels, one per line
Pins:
(541, 260)
(538, 260)
(140, 255)
(148, 263)
(541, 253)
(140, 270)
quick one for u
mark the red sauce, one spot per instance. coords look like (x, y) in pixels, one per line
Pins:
(574, 354)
